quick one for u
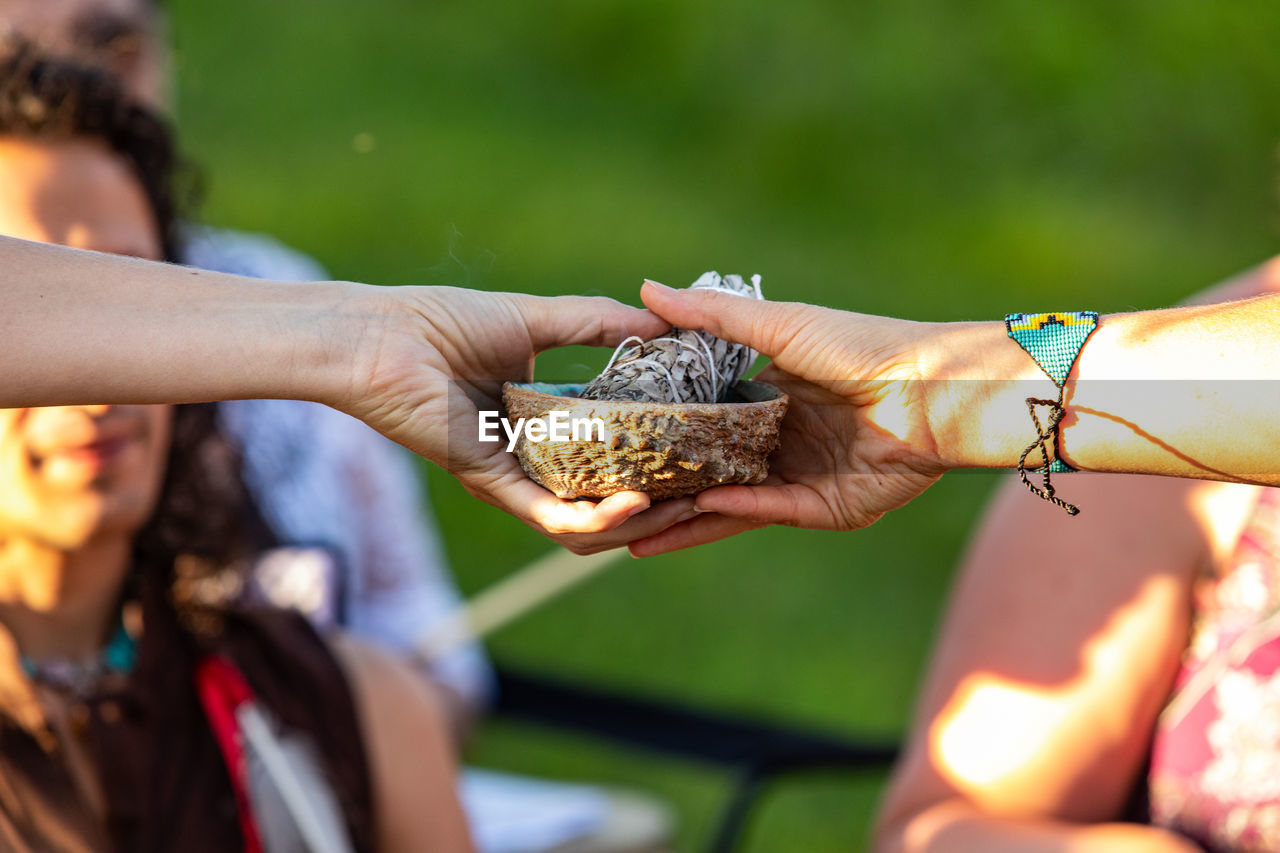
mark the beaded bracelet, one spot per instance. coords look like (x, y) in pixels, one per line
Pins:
(1054, 341)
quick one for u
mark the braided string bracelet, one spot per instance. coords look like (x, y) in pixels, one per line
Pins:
(1053, 341)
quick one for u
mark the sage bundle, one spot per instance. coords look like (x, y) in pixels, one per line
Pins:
(682, 366)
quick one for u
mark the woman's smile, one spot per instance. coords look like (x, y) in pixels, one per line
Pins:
(75, 472)
(94, 454)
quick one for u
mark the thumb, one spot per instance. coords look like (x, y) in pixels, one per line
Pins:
(558, 321)
(766, 327)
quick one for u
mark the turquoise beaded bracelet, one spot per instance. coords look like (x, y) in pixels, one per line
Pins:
(1053, 341)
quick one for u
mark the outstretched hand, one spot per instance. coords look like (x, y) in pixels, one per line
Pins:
(435, 357)
(855, 442)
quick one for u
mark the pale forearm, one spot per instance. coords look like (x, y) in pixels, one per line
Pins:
(1187, 392)
(84, 327)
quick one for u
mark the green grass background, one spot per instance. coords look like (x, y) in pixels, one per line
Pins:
(929, 159)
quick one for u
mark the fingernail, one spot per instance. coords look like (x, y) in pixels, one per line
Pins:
(687, 514)
(658, 285)
(636, 510)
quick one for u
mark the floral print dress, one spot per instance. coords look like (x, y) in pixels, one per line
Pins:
(1215, 764)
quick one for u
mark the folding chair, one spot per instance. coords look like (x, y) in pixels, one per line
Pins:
(756, 752)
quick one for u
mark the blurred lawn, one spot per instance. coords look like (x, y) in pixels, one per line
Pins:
(930, 159)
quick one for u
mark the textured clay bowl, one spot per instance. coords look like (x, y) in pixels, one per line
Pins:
(664, 449)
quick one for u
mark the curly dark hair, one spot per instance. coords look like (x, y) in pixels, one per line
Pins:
(51, 99)
(205, 526)
(198, 545)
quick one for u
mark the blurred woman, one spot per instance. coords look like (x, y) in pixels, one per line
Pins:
(139, 709)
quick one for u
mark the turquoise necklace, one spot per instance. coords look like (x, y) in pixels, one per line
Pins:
(80, 677)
